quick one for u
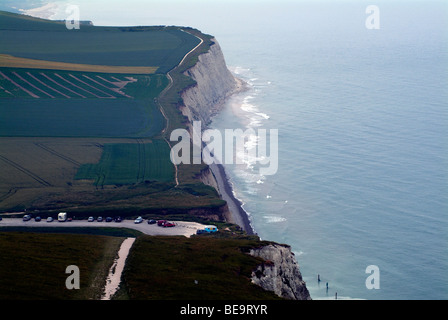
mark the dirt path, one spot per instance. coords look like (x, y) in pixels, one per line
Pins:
(114, 279)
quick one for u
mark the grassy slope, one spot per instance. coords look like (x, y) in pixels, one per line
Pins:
(33, 265)
(166, 268)
(158, 268)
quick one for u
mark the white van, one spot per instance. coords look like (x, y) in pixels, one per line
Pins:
(62, 216)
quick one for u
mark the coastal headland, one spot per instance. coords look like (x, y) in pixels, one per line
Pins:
(100, 146)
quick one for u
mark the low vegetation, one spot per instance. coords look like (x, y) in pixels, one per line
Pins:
(204, 267)
(199, 268)
(33, 265)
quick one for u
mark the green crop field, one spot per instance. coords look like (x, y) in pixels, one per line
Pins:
(72, 104)
(114, 46)
(130, 163)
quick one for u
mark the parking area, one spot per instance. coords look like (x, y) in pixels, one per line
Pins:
(182, 228)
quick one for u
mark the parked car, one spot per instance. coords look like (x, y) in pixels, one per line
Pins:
(201, 231)
(37, 219)
(50, 219)
(91, 219)
(152, 221)
(109, 219)
(99, 219)
(118, 219)
(26, 217)
(138, 220)
(1, 218)
(160, 223)
(168, 224)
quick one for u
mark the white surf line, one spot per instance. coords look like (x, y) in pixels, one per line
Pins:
(114, 278)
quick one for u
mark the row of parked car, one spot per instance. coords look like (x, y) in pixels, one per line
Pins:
(160, 223)
(28, 217)
(107, 219)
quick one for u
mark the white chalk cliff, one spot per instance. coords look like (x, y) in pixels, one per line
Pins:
(280, 272)
(214, 84)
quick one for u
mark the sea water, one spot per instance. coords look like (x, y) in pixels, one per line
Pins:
(363, 132)
(363, 163)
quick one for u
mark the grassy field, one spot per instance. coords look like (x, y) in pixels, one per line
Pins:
(129, 164)
(161, 47)
(33, 265)
(71, 104)
(166, 268)
(206, 267)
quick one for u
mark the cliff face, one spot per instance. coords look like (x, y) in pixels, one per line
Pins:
(214, 84)
(280, 272)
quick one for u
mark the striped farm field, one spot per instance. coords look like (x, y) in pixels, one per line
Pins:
(39, 103)
(44, 84)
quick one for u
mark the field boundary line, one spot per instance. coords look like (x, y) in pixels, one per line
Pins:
(46, 85)
(32, 85)
(19, 86)
(26, 171)
(107, 94)
(62, 86)
(57, 154)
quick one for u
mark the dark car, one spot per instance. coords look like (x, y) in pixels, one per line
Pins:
(201, 231)
(152, 221)
(118, 219)
(37, 219)
(109, 219)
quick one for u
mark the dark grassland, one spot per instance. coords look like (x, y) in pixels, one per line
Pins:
(205, 267)
(33, 265)
(199, 268)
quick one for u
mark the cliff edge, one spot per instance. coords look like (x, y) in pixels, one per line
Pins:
(280, 272)
(214, 84)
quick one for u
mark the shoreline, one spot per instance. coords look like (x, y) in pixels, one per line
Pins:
(239, 216)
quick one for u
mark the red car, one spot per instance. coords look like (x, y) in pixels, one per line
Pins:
(168, 224)
(161, 223)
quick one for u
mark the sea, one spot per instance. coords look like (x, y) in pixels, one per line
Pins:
(359, 96)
